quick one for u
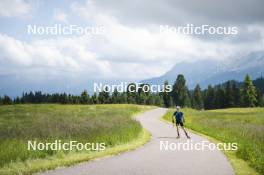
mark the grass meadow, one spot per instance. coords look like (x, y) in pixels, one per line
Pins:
(111, 124)
(242, 125)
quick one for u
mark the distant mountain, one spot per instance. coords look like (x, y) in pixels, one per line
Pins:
(213, 72)
(13, 86)
(204, 72)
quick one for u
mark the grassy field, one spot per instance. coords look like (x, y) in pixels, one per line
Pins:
(242, 125)
(111, 124)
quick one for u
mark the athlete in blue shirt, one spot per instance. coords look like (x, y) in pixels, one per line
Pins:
(179, 120)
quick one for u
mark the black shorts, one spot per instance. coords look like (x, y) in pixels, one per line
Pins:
(179, 123)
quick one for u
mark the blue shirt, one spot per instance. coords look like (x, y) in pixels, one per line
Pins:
(178, 116)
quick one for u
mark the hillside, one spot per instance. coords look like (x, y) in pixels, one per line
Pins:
(214, 72)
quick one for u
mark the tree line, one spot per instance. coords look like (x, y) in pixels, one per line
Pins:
(228, 94)
(104, 97)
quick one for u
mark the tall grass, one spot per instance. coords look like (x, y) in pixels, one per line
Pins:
(111, 124)
(242, 125)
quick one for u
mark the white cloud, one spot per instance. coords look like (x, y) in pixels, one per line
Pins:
(14, 8)
(125, 43)
(124, 51)
(67, 54)
(60, 16)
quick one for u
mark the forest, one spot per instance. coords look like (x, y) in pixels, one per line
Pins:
(226, 95)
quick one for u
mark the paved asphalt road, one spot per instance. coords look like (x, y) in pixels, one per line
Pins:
(150, 160)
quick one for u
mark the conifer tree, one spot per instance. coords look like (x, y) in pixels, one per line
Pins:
(166, 96)
(229, 95)
(84, 99)
(197, 98)
(180, 91)
(248, 93)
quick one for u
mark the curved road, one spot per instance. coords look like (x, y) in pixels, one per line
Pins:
(151, 160)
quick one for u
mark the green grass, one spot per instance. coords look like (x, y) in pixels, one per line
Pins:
(35, 165)
(242, 125)
(111, 124)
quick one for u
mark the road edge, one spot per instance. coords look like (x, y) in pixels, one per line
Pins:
(240, 166)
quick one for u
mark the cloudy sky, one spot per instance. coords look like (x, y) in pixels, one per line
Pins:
(131, 46)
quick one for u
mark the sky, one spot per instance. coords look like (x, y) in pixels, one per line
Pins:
(131, 45)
